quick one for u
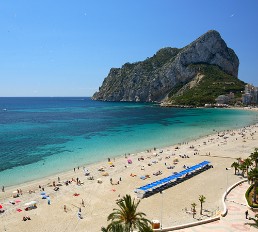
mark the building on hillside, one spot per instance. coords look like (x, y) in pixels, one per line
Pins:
(250, 97)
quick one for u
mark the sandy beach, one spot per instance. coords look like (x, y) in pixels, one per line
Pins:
(221, 149)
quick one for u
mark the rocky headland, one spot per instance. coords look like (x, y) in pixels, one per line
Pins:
(207, 67)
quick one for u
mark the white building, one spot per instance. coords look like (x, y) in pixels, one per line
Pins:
(251, 95)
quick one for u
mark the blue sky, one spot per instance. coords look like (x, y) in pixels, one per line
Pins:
(66, 48)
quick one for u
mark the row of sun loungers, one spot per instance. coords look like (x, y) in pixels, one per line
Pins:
(176, 178)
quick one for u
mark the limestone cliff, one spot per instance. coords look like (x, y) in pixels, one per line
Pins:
(170, 68)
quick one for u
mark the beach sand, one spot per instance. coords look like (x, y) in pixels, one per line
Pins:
(173, 206)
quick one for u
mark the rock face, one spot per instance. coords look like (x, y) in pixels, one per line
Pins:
(153, 79)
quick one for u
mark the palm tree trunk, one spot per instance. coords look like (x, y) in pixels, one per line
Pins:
(255, 189)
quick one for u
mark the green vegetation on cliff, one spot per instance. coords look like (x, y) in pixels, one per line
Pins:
(163, 56)
(214, 82)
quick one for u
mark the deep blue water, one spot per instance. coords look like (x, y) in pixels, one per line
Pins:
(44, 136)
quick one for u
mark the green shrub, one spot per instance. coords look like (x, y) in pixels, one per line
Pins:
(248, 197)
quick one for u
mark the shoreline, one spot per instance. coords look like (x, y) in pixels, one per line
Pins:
(222, 154)
(101, 161)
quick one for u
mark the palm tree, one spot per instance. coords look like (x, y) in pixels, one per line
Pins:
(113, 228)
(128, 217)
(247, 163)
(255, 219)
(194, 210)
(254, 157)
(242, 167)
(253, 175)
(202, 200)
(239, 160)
(235, 165)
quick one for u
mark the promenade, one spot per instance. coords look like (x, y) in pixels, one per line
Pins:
(235, 219)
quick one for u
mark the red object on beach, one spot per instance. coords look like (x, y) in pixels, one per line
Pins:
(19, 210)
(1, 206)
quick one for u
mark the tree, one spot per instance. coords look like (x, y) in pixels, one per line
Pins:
(242, 167)
(202, 200)
(193, 209)
(239, 160)
(235, 165)
(247, 163)
(253, 175)
(128, 217)
(113, 228)
(255, 219)
(254, 157)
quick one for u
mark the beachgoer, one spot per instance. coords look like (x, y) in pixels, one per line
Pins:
(65, 210)
(83, 203)
(48, 201)
(3, 189)
(58, 179)
(43, 188)
(20, 191)
(246, 214)
(74, 169)
(120, 179)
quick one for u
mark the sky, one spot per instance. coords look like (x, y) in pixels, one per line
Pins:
(66, 48)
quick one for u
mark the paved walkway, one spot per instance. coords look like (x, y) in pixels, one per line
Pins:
(235, 219)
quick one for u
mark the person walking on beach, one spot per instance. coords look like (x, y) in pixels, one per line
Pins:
(246, 214)
(65, 210)
(83, 203)
(3, 189)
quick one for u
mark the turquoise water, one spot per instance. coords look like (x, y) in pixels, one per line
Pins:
(44, 136)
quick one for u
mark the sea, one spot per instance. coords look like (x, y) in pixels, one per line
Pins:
(40, 137)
